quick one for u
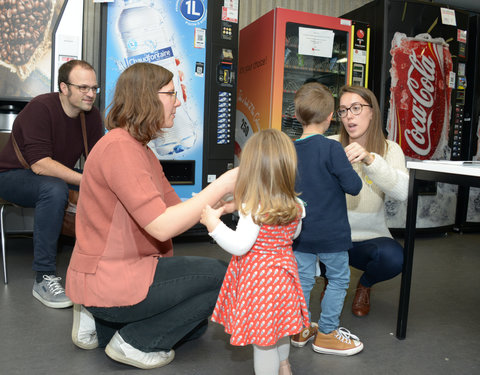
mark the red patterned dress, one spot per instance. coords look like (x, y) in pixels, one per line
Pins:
(261, 299)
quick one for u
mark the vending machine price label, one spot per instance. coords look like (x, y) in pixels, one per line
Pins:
(451, 80)
(462, 36)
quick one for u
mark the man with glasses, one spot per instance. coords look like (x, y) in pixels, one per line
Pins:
(47, 135)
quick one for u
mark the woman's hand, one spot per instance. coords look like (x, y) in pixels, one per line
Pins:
(356, 153)
(211, 217)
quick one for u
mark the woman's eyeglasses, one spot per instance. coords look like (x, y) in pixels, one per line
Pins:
(355, 108)
(84, 88)
(171, 93)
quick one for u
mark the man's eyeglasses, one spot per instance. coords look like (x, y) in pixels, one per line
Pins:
(171, 93)
(84, 89)
(355, 108)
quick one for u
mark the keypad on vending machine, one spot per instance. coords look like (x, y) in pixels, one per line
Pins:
(227, 31)
(224, 118)
(457, 131)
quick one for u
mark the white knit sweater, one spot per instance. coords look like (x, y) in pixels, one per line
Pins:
(385, 176)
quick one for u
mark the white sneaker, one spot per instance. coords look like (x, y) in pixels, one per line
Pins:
(51, 293)
(120, 351)
(84, 332)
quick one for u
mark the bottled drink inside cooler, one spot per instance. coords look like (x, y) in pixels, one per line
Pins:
(299, 69)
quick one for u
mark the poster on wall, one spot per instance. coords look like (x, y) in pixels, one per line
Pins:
(26, 31)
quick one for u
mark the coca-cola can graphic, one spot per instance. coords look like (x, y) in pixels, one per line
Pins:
(420, 96)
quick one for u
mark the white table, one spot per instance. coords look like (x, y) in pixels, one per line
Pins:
(448, 172)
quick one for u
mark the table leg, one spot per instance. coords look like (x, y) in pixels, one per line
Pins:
(407, 256)
(462, 207)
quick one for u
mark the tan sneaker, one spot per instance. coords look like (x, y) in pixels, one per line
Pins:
(338, 342)
(300, 339)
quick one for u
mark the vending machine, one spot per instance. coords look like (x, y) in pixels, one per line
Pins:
(284, 49)
(197, 40)
(426, 80)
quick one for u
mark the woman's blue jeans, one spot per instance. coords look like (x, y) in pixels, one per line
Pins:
(381, 258)
(338, 274)
(49, 196)
(180, 300)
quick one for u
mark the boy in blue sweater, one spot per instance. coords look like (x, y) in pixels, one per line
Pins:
(324, 176)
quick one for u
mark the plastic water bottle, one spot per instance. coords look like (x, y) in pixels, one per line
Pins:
(145, 38)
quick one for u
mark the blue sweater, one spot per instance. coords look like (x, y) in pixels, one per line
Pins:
(324, 176)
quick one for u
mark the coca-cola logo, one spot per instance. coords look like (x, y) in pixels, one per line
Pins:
(421, 84)
(419, 96)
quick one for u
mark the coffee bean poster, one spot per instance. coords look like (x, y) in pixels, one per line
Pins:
(26, 35)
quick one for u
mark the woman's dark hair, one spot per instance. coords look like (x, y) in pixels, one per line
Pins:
(136, 106)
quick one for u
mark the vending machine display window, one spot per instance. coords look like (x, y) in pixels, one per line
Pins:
(312, 54)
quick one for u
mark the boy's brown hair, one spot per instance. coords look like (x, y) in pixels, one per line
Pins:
(313, 103)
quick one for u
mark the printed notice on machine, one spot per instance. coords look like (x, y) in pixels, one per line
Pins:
(199, 38)
(230, 11)
(315, 42)
(448, 17)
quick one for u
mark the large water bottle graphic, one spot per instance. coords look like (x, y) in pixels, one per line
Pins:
(146, 39)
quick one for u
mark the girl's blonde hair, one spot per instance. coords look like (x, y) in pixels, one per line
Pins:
(266, 179)
(376, 141)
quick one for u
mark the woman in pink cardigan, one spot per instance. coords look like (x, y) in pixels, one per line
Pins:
(130, 294)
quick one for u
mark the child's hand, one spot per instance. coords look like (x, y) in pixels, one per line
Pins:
(228, 204)
(211, 217)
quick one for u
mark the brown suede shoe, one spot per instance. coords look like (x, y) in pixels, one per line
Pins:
(361, 302)
(305, 335)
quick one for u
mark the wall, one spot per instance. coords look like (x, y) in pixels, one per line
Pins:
(473, 5)
(250, 10)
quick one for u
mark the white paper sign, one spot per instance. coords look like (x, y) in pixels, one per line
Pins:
(315, 42)
(448, 16)
(199, 38)
(451, 80)
(359, 56)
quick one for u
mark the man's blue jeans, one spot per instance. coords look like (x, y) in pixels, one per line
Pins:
(180, 300)
(48, 195)
(338, 274)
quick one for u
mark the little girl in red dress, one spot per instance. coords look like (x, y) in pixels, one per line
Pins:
(261, 300)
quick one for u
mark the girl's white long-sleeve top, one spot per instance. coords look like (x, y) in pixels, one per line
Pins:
(240, 241)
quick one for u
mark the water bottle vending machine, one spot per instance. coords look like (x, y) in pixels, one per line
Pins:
(197, 40)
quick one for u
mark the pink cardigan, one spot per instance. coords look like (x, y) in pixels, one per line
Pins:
(123, 189)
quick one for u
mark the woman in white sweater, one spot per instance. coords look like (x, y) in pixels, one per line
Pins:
(380, 163)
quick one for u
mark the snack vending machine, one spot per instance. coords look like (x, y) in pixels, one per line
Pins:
(427, 84)
(197, 40)
(284, 49)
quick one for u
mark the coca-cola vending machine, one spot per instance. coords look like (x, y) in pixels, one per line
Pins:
(425, 61)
